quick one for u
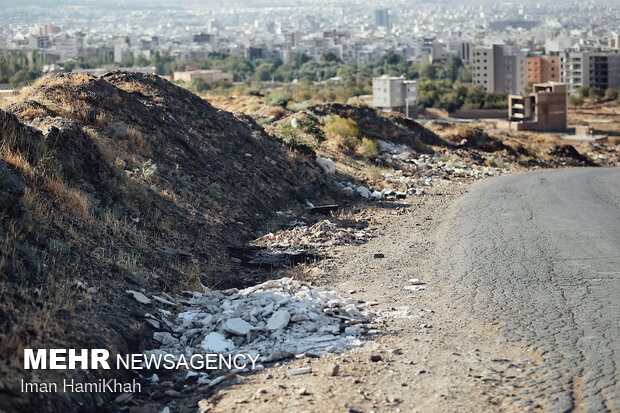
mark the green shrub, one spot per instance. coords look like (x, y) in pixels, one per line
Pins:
(279, 99)
(611, 94)
(596, 93)
(253, 91)
(368, 148)
(288, 134)
(575, 100)
(308, 126)
(343, 131)
(583, 91)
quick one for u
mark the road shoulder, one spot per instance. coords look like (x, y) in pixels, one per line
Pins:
(432, 355)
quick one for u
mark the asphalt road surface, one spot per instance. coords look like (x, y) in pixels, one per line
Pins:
(540, 254)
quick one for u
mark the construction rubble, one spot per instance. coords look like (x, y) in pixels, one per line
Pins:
(320, 235)
(276, 319)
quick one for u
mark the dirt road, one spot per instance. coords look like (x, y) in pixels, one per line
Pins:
(431, 354)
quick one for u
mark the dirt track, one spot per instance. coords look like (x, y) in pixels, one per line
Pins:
(436, 359)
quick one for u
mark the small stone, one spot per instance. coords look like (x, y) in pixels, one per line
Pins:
(303, 392)
(328, 166)
(139, 297)
(379, 255)
(299, 317)
(414, 287)
(278, 320)
(352, 331)
(165, 338)
(172, 393)
(123, 398)
(363, 191)
(261, 391)
(333, 369)
(375, 358)
(162, 300)
(237, 326)
(217, 343)
(297, 372)
(217, 381)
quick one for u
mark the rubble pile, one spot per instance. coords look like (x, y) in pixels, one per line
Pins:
(322, 234)
(417, 170)
(276, 319)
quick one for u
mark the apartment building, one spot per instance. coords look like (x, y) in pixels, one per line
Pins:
(395, 94)
(544, 109)
(497, 72)
(600, 69)
(382, 18)
(542, 69)
(483, 66)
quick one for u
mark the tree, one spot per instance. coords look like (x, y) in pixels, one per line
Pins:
(453, 65)
(299, 59)
(596, 93)
(330, 57)
(583, 91)
(428, 71)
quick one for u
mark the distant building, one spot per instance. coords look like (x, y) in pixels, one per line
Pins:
(599, 69)
(39, 42)
(252, 53)
(483, 66)
(382, 18)
(544, 109)
(207, 75)
(542, 69)
(395, 94)
(497, 72)
(464, 52)
(201, 38)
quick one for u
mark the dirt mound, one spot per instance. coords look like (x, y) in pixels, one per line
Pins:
(568, 154)
(374, 125)
(128, 182)
(465, 136)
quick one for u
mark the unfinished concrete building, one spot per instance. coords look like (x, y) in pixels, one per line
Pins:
(544, 109)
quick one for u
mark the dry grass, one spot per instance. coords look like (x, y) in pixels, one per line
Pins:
(33, 112)
(16, 159)
(137, 143)
(103, 121)
(70, 200)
